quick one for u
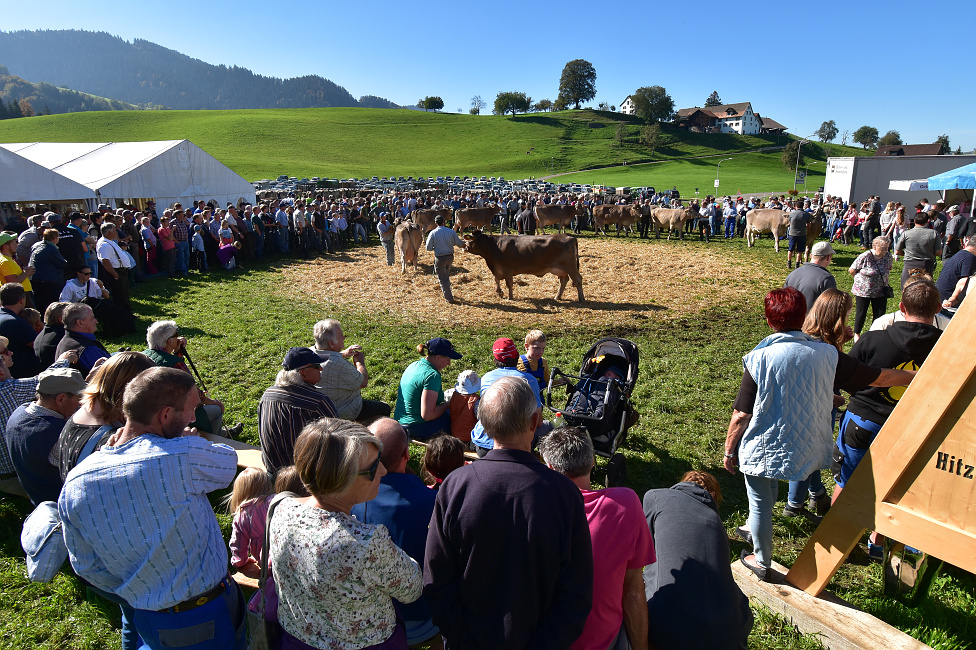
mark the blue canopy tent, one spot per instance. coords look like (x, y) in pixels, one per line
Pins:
(961, 178)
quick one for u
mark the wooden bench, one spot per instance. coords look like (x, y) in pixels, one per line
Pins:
(247, 455)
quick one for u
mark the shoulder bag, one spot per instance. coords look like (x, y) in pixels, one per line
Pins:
(42, 537)
(264, 634)
(888, 291)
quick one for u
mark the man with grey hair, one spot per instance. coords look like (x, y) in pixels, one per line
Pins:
(342, 381)
(80, 325)
(508, 561)
(622, 546)
(287, 406)
(27, 239)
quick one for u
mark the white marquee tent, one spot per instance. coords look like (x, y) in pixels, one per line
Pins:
(166, 171)
(23, 181)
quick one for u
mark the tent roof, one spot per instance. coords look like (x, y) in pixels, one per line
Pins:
(162, 168)
(24, 180)
(962, 178)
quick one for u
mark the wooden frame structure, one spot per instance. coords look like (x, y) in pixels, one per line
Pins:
(917, 482)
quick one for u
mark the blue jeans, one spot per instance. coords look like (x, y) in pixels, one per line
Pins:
(729, 227)
(130, 638)
(216, 625)
(762, 493)
(182, 257)
(258, 246)
(428, 429)
(283, 239)
(799, 489)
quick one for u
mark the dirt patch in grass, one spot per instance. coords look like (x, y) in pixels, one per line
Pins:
(624, 282)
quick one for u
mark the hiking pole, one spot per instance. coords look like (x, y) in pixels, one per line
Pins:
(186, 355)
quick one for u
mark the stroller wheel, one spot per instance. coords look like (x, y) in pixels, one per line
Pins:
(616, 470)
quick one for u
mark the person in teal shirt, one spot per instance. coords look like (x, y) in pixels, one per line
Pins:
(420, 405)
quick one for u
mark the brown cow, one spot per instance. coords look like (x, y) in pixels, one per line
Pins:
(408, 239)
(814, 230)
(475, 217)
(622, 215)
(557, 214)
(671, 218)
(760, 220)
(511, 255)
(425, 218)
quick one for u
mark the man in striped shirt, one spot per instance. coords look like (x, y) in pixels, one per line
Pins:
(139, 528)
(286, 407)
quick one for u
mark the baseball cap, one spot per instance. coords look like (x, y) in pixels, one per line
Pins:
(442, 347)
(468, 383)
(821, 249)
(297, 358)
(54, 381)
(504, 349)
(6, 237)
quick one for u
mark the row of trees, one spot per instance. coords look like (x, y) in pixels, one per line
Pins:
(868, 136)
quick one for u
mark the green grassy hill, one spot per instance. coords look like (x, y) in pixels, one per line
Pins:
(356, 142)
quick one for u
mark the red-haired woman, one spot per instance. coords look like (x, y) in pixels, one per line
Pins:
(781, 425)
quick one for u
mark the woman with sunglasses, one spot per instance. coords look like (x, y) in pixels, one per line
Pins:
(337, 577)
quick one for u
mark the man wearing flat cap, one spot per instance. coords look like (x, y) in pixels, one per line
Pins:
(287, 406)
(34, 428)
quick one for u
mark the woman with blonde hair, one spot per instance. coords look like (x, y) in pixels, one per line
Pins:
(336, 576)
(871, 270)
(827, 318)
(896, 229)
(101, 407)
(420, 404)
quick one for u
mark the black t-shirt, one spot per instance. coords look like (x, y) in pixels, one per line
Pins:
(903, 345)
(851, 375)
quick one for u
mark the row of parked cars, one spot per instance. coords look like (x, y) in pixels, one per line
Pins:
(449, 184)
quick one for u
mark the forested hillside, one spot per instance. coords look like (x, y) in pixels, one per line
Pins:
(148, 74)
(19, 98)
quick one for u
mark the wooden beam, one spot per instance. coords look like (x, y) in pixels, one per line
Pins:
(936, 415)
(834, 622)
(247, 455)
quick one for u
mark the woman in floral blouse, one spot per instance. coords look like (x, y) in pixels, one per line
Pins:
(337, 577)
(870, 271)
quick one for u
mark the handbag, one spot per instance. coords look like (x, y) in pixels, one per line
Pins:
(888, 291)
(42, 537)
(262, 633)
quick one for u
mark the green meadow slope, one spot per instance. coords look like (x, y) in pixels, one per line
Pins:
(357, 142)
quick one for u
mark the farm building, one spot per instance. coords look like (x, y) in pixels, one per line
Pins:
(726, 118)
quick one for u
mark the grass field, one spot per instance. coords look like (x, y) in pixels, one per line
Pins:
(240, 325)
(345, 142)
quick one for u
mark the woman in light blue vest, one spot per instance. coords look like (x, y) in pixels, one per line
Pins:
(781, 425)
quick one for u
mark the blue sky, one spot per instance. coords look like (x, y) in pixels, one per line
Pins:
(884, 64)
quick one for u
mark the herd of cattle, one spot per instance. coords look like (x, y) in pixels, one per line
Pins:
(511, 255)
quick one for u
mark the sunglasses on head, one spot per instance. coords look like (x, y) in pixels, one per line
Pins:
(372, 469)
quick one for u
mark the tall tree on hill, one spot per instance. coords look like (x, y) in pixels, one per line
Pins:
(827, 131)
(653, 104)
(713, 99)
(651, 136)
(578, 82)
(477, 105)
(944, 141)
(512, 102)
(890, 138)
(430, 103)
(866, 136)
(543, 105)
(790, 160)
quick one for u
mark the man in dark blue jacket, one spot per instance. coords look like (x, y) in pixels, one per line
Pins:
(509, 562)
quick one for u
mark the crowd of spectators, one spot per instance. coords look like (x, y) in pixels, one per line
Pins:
(504, 551)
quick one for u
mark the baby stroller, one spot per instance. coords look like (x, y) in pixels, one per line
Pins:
(599, 399)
